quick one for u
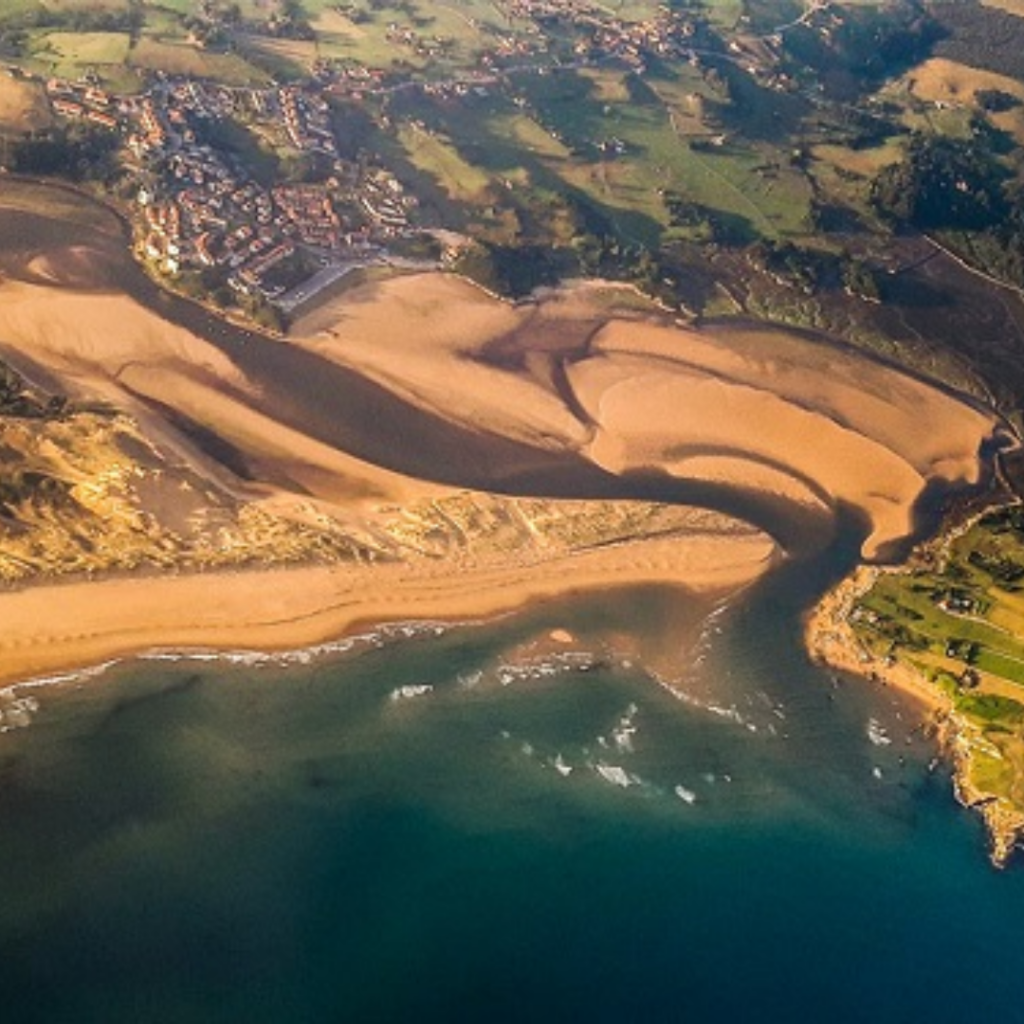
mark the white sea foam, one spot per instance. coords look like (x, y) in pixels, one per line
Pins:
(686, 795)
(59, 678)
(251, 659)
(469, 680)
(302, 655)
(615, 774)
(411, 692)
(877, 734)
(625, 730)
(16, 712)
(509, 673)
(730, 713)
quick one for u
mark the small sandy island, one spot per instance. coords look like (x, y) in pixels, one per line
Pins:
(472, 455)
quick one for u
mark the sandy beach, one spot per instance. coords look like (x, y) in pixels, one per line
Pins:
(54, 628)
(556, 396)
(766, 411)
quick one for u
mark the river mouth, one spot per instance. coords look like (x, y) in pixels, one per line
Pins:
(609, 805)
(540, 810)
(386, 385)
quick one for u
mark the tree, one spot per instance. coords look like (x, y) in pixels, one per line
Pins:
(941, 183)
(859, 279)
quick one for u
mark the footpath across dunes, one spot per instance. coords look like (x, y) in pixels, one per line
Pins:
(419, 449)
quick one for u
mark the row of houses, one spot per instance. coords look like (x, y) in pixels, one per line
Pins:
(81, 101)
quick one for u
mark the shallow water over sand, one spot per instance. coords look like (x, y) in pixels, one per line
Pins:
(491, 823)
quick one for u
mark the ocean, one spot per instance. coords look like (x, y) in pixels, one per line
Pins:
(635, 806)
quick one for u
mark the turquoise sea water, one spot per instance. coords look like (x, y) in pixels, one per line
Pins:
(190, 841)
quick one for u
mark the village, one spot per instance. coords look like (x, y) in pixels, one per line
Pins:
(199, 208)
(207, 219)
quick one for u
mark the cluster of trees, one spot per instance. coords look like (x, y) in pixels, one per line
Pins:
(958, 186)
(210, 24)
(942, 183)
(981, 35)
(995, 101)
(78, 151)
(868, 42)
(509, 270)
(1003, 570)
(814, 269)
(214, 21)
(864, 129)
(833, 218)
(516, 270)
(74, 18)
(705, 223)
(1004, 519)
(15, 27)
(211, 285)
(654, 271)
(999, 250)
(290, 22)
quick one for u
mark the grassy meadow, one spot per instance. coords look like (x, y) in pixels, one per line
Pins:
(961, 623)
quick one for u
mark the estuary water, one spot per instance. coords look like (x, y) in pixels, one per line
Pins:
(635, 806)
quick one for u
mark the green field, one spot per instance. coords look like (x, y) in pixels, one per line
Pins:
(973, 647)
(84, 5)
(619, 146)
(434, 155)
(73, 50)
(182, 59)
(452, 35)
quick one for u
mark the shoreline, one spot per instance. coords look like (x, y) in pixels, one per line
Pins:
(288, 609)
(831, 642)
(559, 399)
